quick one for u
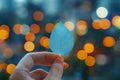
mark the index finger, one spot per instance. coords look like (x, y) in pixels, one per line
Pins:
(37, 58)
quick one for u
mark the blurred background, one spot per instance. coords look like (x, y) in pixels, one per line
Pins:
(26, 26)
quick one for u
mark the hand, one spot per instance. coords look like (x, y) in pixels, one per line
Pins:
(39, 58)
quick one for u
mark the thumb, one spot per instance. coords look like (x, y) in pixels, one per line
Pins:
(56, 70)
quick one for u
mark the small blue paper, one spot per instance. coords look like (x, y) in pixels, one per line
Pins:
(61, 40)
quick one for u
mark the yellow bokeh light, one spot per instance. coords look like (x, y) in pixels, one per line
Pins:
(70, 25)
(44, 41)
(38, 15)
(105, 24)
(4, 34)
(29, 46)
(35, 28)
(89, 47)
(30, 36)
(49, 27)
(18, 28)
(10, 68)
(81, 27)
(108, 41)
(81, 54)
(116, 21)
(90, 61)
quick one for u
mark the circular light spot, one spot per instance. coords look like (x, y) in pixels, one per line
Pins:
(7, 52)
(81, 27)
(70, 25)
(101, 59)
(38, 15)
(89, 47)
(116, 21)
(10, 68)
(81, 54)
(29, 46)
(3, 65)
(96, 24)
(49, 27)
(35, 28)
(5, 27)
(102, 12)
(4, 34)
(108, 41)
(30, 36)
(90, 61)
(105, 24)
(44, 41)
(26, 29)
(17, 28)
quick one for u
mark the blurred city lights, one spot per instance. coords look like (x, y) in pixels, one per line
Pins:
(26, 29)
(18, 28)
(81, 54)
(116, 21)
(105, 24)
(70, 25)
(90, 61)
(7, 52)
(35, 28)
(38, 15)
(81, 27)
(29, 46)
(4, 34)
(101, 59)
(96, 24)
(30, 36)
(44, 41)
(49, 27)
(89, 47)
(10, 68)
(108, 41)
(5, 27)
(102, 12)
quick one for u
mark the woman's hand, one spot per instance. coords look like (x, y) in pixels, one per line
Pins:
(39, 58)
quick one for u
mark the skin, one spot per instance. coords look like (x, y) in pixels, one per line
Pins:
(56, 62)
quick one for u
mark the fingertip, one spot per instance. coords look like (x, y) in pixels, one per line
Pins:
(66, 65)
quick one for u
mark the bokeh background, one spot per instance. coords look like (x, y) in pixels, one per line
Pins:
(26, 25)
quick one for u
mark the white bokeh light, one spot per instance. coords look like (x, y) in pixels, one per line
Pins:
(102, 12)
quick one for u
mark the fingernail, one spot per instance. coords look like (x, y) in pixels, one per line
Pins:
(59, 60)
(65, 65)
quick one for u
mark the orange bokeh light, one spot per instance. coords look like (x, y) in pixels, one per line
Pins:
(4, 34)
(105, 24)
(49, 27)
(30, 36)
(69, 25)
(90, 61)
(10, 68)
(116, 21)
(96, 24)
(81, 54)
(81, 27)
(5, 27)
(44, 41)
(35, 28)
(108, 41)
(7, 52)
(3, 65)
(38, 15)
(18, 28)
(29, 46)
(89, 47)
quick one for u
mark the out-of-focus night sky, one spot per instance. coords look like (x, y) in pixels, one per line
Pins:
(26, 26)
